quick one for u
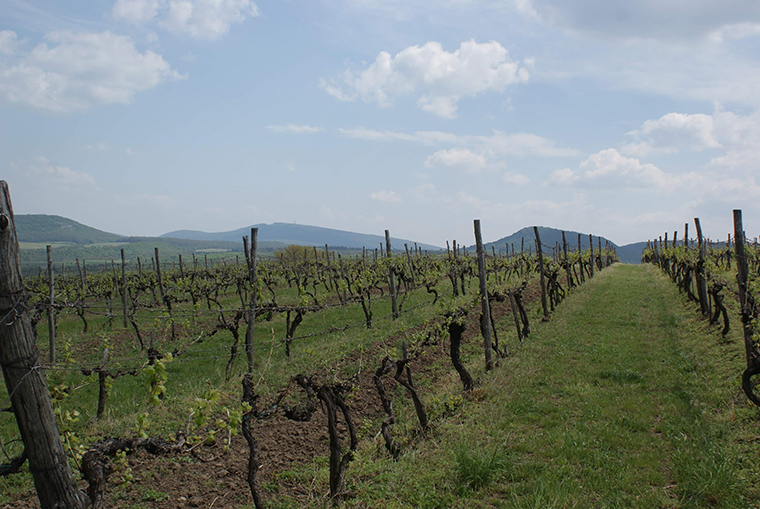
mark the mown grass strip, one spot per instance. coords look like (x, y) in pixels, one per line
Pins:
(623, 399)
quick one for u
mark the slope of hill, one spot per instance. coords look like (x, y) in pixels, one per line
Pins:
(630, 253)
(45, 228)
(287, 233)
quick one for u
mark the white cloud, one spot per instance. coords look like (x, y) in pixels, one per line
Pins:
(8, 42)
(644, 19)
(515, 179)
(135, 11)
(735, 31)
(609, 169)
(438, 77)
(207, 19)
(97, 146)
(497, 144)
(457, 158)
(673, 132)
(62, 175)
(423, 137)
(295, 129)
(76, 71)
(202, 19)
(423, 194)
(386, 196)
(521, 144)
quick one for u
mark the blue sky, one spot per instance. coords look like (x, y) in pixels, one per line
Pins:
(145, 116)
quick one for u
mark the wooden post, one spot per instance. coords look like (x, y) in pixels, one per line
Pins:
(254, 295)
(567, 262)
(701, 278)
(541, 270)
(411, 265)
(741, 277)
(51, 304)
(686, 235)
(166, 301)
(124, 288)
(591, 247)
(391, 276)
(485, 311)
(25, 381)
(329, 269)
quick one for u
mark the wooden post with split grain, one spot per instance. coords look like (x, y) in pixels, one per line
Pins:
(251, 262)
(541, 272)
(391, 275)
(485, 311)
(24, 380)
(51, 305)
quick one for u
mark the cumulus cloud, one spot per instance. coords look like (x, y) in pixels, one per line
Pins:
(674, 132)
(437, 77)
(456, 158)
(516, 179)
(135, 11)
(609, 169)
(8, 42)
(386, 196)
(202, 19)
(295, 129)
(76, 71)
(207, 19)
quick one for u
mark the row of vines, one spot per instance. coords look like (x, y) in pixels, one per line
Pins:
(708, 272)
(152, 355)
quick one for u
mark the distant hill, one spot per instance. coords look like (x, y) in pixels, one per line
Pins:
(44, 228)
(630, 253)
(287, 233)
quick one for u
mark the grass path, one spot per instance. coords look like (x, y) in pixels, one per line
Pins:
(623, 399)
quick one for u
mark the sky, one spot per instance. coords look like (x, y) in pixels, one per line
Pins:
(621, 119)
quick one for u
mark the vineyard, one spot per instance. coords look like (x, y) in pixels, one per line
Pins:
(255, 383)
(704, 273)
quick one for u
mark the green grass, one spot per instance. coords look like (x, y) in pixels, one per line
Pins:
(622, 400)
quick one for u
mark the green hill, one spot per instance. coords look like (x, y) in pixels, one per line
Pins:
(55, 229)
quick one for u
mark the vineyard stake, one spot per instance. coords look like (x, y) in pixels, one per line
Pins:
(541, 271)
(485, 313)
(51, 305)
(25, 381)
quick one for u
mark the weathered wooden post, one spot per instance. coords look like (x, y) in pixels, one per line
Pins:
(124, 288)
(24, 380)
(485, 313)
(567, 262)
(541, 271)
(164, 299)
(51, 305)
(251, 260)
(591, 261)
(753, 364)
(704, 306)
(391, 275)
